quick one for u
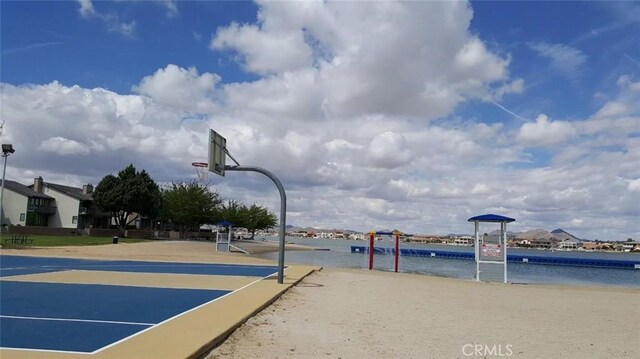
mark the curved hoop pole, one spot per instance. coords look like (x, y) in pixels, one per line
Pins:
(283, 210)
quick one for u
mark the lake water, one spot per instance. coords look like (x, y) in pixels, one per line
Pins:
(339, 255)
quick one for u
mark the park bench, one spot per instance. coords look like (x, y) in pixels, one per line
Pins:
(19, 239)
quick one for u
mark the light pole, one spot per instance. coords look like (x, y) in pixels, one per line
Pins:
(7, 149)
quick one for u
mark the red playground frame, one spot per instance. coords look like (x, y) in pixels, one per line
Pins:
(372, 238)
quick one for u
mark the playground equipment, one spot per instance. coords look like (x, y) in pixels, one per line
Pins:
(223, 240)
(395, 251)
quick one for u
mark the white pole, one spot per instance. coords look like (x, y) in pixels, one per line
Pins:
(477, 250)
(503, 229)
(5, 155)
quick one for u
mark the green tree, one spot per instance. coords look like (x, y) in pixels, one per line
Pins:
(189, 205)
(257, 217)
(128, 196)
(234, 212)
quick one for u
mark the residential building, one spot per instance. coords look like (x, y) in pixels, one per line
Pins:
(463, 241)
(75, 208)
(22, 206)
(568, 244)
(543, 243)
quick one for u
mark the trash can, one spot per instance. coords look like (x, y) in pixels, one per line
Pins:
(115, 239)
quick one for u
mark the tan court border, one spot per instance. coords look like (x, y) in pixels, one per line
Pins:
(156, 280)
(192, 334)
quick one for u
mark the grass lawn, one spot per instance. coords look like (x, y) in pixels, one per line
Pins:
(52, 241)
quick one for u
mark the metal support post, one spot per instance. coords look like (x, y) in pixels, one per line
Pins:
(283, 210)
(4, 171)
(477, 250)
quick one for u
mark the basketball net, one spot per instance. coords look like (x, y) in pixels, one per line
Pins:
(202, 171)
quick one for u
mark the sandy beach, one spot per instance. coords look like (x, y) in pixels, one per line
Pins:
(171, 251)
(343, 313)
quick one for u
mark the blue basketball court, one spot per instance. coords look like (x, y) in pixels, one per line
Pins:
(88, 318)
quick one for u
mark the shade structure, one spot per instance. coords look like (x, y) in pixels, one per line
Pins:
(224, 224)
(491, 218)
(491, 255)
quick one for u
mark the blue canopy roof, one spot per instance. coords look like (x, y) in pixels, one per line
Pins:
(224, 224)
(491, 218)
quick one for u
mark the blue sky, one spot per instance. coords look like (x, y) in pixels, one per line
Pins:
(546, 91)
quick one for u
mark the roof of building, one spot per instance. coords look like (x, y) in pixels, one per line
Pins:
(70, 191)
(74, 192)
(24, 190)
(491, 218)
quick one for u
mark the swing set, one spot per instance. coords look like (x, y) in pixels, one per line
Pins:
(395, 251)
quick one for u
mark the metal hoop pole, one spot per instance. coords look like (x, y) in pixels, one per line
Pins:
(283, 210)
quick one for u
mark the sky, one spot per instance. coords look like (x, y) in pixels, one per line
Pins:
(374, 115)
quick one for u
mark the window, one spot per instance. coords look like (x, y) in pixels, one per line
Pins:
(22, 217)
(74, 220)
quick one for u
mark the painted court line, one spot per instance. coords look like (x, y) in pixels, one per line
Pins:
(76, 320)
(45, 350)
(179, 315)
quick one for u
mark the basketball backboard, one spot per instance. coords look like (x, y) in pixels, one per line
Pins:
(217, 152)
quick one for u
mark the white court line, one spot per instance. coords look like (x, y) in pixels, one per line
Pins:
(180, 314)
(76, 320)
(45, 350)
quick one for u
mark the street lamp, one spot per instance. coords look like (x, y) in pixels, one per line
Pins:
(7, 149)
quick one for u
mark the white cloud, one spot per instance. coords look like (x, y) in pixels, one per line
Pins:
(634, 185)
(388, 150)
(111, 20)
(566, 60)
(171, 6)
(544, 132)
(480, 188)
(63, 146)
(180, 88)
(577, 222)
(86, 8)
(359, 60)
(612, 109)
(125, 28)
(265, 51)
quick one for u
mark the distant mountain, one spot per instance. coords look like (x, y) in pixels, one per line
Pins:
(496, 232)
(556, 235)
(534, 234)
(562, 234)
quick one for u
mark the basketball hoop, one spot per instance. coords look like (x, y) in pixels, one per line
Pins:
(202, 171)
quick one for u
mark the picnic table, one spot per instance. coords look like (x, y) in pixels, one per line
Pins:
(18, 239)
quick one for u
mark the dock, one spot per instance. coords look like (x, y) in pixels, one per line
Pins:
(511, 258)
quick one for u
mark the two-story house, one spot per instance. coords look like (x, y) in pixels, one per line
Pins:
(75, 208)
(22, 206)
